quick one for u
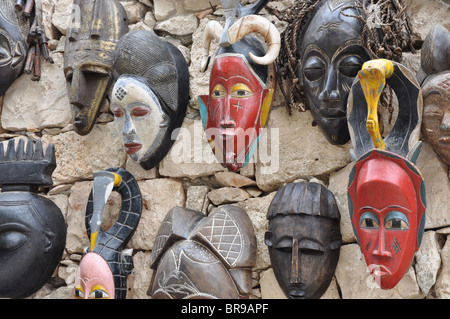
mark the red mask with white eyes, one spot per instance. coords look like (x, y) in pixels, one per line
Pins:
(387, 209)
(235, 111)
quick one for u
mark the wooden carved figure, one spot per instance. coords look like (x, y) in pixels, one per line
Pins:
(103, 270)
(22, 41)
(94, 31)
(32, 227)
(242, 83)
(150, 95)
(324, 47)
(386, 192)
(303, 238)
(434, 77)
(199, 257)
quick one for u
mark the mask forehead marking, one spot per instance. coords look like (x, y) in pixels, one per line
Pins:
(240, 56)
(121, 93)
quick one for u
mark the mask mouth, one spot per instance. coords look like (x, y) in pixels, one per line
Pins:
(445, 142)
(378, 271)
(132, 147)
(296, 293)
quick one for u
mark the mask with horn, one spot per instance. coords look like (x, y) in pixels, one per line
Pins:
(94, 31)
(386, 192)
(103, 271)
(242, 83)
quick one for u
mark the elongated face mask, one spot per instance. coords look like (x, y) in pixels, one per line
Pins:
(236, 110)
(303, 239)
(330, 57)
(387, 214)
(139, 116)
(95, 29)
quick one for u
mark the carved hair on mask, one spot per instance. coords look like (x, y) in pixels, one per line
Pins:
(303, 238)
(32, 227)
(150, 97)
(92, 36)
(323, 48)
(242, 83)
(434, 77)
(203, 257)
(386, 192)
(103, 270)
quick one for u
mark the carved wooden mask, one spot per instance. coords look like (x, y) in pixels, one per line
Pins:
(386, 192)
(92, 36)
(241, 87)
(434, 76)
(330, 54)
(199, 257)
(32, 227)
(103, 271)
(13, 44)
(303, 238)
(150, 96)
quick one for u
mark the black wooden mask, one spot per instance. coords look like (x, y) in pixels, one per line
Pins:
(32, 228)
(303, 239)
(330, 55)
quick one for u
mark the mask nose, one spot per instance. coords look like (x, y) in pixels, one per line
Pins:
(295, 263)
(331, 91)
(128, 127)
(381, 249)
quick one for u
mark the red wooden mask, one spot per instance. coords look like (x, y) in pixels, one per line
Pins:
(241, 87)
(236, 110)
(387, 205)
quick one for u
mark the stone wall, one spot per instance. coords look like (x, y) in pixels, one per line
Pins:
(190, 176)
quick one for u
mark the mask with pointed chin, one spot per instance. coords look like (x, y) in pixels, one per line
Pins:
(387, 206)
(235, 111)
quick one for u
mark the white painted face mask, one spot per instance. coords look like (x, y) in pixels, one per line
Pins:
(139, 117)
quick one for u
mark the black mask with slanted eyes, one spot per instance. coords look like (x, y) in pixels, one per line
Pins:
(330, 55)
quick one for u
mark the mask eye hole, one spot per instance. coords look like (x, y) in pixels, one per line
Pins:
(117, 111)
(99, 292)
(218, 91)
(78, 293)
(139, 111)
(369, 220)
(350, 66)
(241, 91)
(396, 220)
(314, 69)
